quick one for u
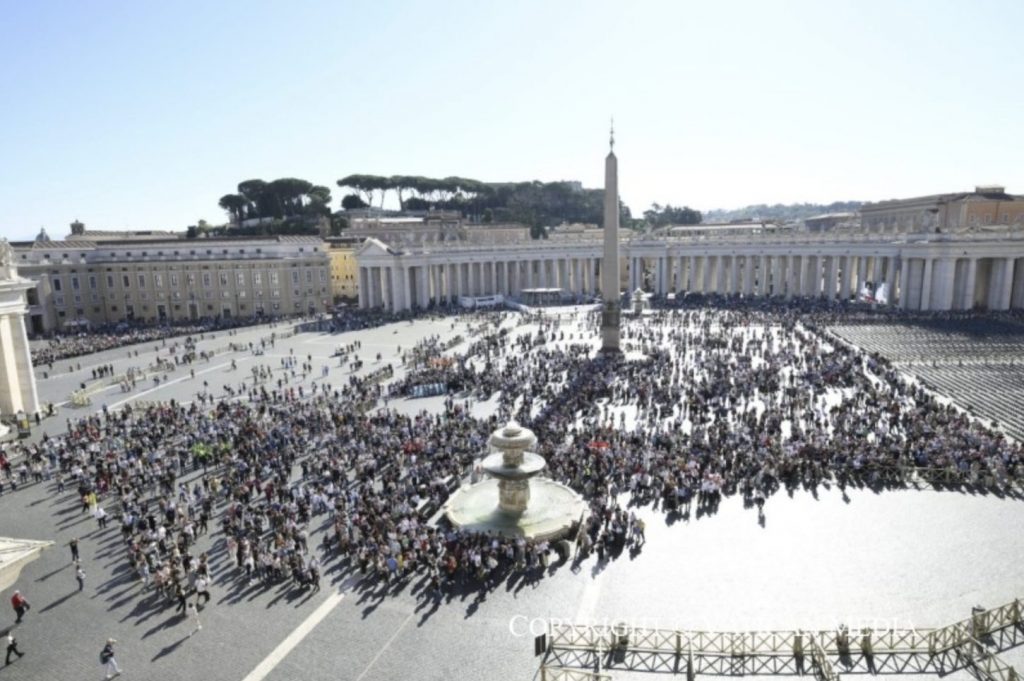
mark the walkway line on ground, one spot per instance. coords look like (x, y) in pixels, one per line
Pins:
(300, 632)
(164, 384)
(384, 648)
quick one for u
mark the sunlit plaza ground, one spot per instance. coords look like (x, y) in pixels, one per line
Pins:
(905, 559)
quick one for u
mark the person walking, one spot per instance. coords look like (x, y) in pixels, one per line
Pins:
(74, 549)
(202, 591)
(12, 647)
(179, 593)
(20, 605)
(193, 611)
(108, 660)
(80, 576)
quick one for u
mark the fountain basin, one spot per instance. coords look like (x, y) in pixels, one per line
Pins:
(496, 466)
(551, 513)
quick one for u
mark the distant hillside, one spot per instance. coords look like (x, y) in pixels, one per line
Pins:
(780, 211)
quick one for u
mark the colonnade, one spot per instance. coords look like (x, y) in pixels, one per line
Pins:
(403, 285)
(921, 276)
(787, 275)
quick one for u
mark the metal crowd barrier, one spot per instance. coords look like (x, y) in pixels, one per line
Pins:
(959, 638)
(570, 674)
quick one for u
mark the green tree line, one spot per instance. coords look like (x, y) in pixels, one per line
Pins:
(782, 211)
(535, 203)
(282, 199)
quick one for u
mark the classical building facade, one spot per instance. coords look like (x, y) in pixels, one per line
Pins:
(82, 282)
(919, 271)
(344, 270)
(987, 207)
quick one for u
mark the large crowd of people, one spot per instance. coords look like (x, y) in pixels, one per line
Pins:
(703, 403)
(66, 345)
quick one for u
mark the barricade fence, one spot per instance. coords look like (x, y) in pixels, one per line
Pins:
(987, 665)
(570, 674)
(819, 645)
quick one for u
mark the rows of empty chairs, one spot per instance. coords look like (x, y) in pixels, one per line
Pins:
(977, 362)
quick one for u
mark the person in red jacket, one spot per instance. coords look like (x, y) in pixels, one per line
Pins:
(20, 605)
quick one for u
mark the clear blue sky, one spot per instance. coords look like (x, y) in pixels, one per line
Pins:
(142, 114)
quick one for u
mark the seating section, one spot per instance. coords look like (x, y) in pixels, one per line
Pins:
(976, 362)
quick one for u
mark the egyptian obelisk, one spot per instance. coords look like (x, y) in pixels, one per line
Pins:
(610, 264)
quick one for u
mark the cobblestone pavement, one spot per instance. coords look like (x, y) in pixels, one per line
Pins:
(909, 558)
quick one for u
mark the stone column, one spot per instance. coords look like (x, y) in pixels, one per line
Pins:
(811, 279)
(844, 278)
(376, 288)
(945, 276)
(926, 285)
(423, 286)
(1005, 290)
(10, 385)
(793, 272)
(1017, 292)
(23, 355)
(734, 275)
(708, 275)
(890, 277)
(722, 275)
(364, 283)
(831, 276)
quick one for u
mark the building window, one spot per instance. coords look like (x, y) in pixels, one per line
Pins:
(295, 277)
(92, 282)
(142, 281)
(110, 281)
(240, 278)
(206, 280)
(223, 278)
(174, 279)
(191, 279)
(257, 278)
(309, 276)
(74, 283)
(158, 279)
(274, 279)
(57, 286)
(126, 281)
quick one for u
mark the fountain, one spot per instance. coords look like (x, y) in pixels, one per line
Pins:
(541, 509)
